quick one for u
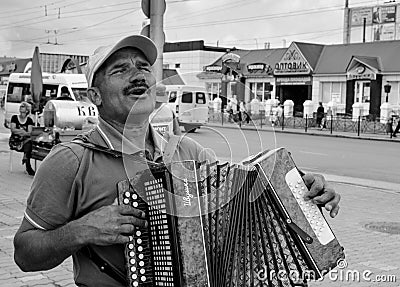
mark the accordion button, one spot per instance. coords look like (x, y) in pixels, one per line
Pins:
(130, 238)
(130, 246)
(135, 204)
(135, 284)
(140, 248)
(141, 256)
(139, 241)
(141, 263)
(132, 261)
(133, 268)
(138, 233)
(143, 278)
(126, 201)
(131, 253)
(134, 196)
(142, 271)
(127, 194)
(134, 276)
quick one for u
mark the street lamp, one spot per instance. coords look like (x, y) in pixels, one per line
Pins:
(387, 91)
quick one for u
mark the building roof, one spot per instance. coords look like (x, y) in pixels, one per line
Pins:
(373, 63)
(191, 46)
(311, 52)
(334, 59)
(15, 65)
(171, 77)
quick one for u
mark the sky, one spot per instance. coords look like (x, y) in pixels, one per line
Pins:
(79, 27)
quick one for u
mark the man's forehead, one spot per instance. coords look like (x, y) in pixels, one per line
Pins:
(124, 54)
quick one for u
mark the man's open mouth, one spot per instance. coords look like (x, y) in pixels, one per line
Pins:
(136, 90)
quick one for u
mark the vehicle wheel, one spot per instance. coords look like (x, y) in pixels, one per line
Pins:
(189, 129)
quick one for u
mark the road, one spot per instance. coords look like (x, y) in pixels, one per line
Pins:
(370, 160)
(368, 251)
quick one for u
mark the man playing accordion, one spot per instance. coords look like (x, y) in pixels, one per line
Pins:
(72, 199)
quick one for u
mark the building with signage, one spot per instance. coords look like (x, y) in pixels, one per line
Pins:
(250, 78)
(340, 74)
(294, 71)
(357, 73)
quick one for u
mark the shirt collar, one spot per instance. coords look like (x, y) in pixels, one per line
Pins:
(116, 141)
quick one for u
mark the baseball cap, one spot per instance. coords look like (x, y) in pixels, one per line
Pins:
(100, 55)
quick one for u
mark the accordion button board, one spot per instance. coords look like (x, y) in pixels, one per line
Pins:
(313, 215)
(170, 251)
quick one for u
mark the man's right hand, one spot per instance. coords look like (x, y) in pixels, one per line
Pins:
(110, 224)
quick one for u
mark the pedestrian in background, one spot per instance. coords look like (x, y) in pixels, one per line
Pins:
(320, 115)
(243, 113)
(20, 140)
(396, 130)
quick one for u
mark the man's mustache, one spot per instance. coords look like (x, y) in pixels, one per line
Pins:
(135, 85)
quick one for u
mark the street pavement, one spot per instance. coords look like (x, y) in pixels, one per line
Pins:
(372, 253)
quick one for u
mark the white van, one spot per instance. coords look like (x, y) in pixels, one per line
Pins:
(190, 104)
(18, 88)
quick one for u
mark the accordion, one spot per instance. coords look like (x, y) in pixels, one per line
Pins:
(216, 224)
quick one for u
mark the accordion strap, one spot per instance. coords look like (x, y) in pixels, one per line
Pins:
(170, 148)
(104, 267)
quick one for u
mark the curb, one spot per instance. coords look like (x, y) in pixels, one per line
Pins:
(308, 133)
(383, 186)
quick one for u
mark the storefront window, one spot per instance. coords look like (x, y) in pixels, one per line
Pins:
(333, 91)
(362, 92)
(261, 90)
(213, 89)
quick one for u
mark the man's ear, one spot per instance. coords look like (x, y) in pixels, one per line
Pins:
(94, 95)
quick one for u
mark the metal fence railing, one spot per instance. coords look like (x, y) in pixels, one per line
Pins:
(360, 125)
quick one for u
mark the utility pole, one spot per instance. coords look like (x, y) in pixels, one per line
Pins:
(154, 10)
(346, 24)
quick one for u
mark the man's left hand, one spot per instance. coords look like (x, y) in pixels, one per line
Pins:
(321, 194)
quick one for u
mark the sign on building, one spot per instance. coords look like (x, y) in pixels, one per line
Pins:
(292, 62)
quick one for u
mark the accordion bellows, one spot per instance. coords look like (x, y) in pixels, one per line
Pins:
(223, 225)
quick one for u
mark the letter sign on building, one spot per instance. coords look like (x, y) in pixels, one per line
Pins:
(292, 63)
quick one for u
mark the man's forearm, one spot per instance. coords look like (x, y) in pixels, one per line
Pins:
(42, 250)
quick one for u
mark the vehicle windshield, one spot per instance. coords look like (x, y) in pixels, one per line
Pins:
(17, 92)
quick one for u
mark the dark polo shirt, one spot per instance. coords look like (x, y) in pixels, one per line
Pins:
(73, 181)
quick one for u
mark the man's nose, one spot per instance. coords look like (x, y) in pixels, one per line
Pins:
(137, 75)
